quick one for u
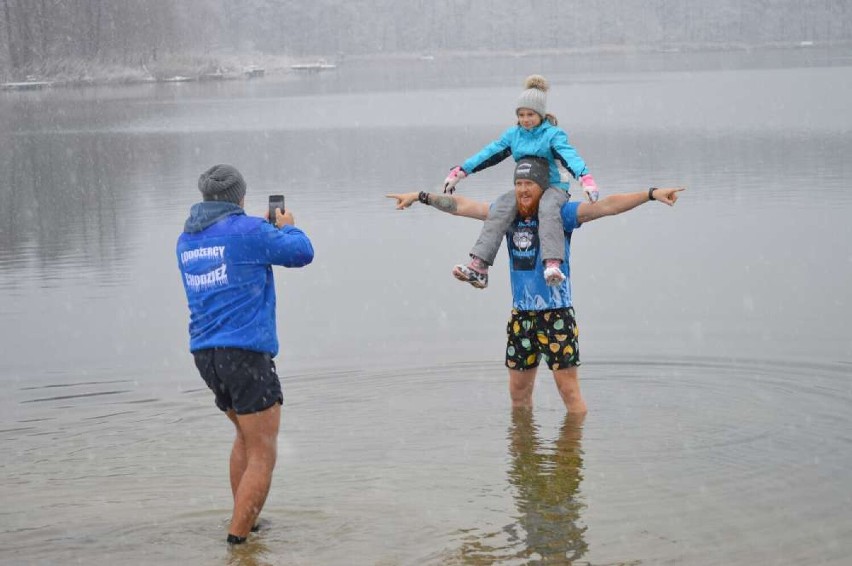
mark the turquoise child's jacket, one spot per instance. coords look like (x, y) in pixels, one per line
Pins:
(545, 140)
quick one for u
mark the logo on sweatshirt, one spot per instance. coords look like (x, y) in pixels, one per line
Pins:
(523, 246)
(216, 278)
(212, 252)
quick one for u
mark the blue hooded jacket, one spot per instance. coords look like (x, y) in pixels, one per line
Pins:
(226, 258)
(545, 140)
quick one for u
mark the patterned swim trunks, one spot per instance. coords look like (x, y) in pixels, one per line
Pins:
(549, 335)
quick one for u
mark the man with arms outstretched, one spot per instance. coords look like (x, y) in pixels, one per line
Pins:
(542, 325)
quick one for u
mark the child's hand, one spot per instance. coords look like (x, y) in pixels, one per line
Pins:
(456, 175)
(590, 187)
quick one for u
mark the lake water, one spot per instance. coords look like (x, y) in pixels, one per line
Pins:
(715, 335)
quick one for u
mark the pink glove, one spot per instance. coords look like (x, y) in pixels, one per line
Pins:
(589, 187)
(456, 175)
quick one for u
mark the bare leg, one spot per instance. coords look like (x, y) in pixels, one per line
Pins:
(521, 385)
(568, 383)
(259, 433)
(238, 455)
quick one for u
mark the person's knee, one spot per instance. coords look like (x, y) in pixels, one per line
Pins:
(507, 197)
(549, 197)
(521, 387)
(262, 443)
(520, 391)
(554, 196)
(262, 456)
(521, 398)
(260, 429)
(505, 202)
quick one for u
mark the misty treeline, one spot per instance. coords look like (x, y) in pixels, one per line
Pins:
(133, 32)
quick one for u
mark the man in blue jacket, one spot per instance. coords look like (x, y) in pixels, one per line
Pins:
(542, 325)
(226, 258)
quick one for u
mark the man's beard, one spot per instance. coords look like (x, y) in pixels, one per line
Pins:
(528, 211)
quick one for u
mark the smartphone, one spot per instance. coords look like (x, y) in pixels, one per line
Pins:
(275, 201)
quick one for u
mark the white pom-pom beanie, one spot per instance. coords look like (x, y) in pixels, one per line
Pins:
(534, 96)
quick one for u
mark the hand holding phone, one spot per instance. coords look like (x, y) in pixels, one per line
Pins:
(275, 201)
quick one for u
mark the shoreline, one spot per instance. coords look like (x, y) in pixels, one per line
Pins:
(615, 50)
(225, 67)
(172, 69)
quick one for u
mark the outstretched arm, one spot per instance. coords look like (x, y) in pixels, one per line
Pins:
(491, 154)
(452, 204)
(616, 204)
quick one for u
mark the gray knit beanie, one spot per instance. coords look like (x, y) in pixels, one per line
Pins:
(222, 183)
(536, 169)
(534, 96)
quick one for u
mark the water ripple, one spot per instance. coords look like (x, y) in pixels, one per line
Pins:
(679, 459)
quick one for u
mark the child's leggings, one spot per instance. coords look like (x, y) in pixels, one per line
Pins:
(502, 214)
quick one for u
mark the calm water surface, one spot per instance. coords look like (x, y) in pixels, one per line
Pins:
(714, 335)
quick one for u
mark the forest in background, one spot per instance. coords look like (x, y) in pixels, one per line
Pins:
(47, 36)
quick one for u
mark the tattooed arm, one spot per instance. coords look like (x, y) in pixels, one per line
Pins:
(451, 204)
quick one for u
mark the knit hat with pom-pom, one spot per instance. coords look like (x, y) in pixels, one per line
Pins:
(534, 96)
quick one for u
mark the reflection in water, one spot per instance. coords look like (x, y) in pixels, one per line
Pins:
(546, 480)
(59, 197)
(253, 553)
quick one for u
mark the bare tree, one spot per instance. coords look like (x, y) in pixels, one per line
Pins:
(137, 31)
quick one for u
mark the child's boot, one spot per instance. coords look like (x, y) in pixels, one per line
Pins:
(475, 272)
